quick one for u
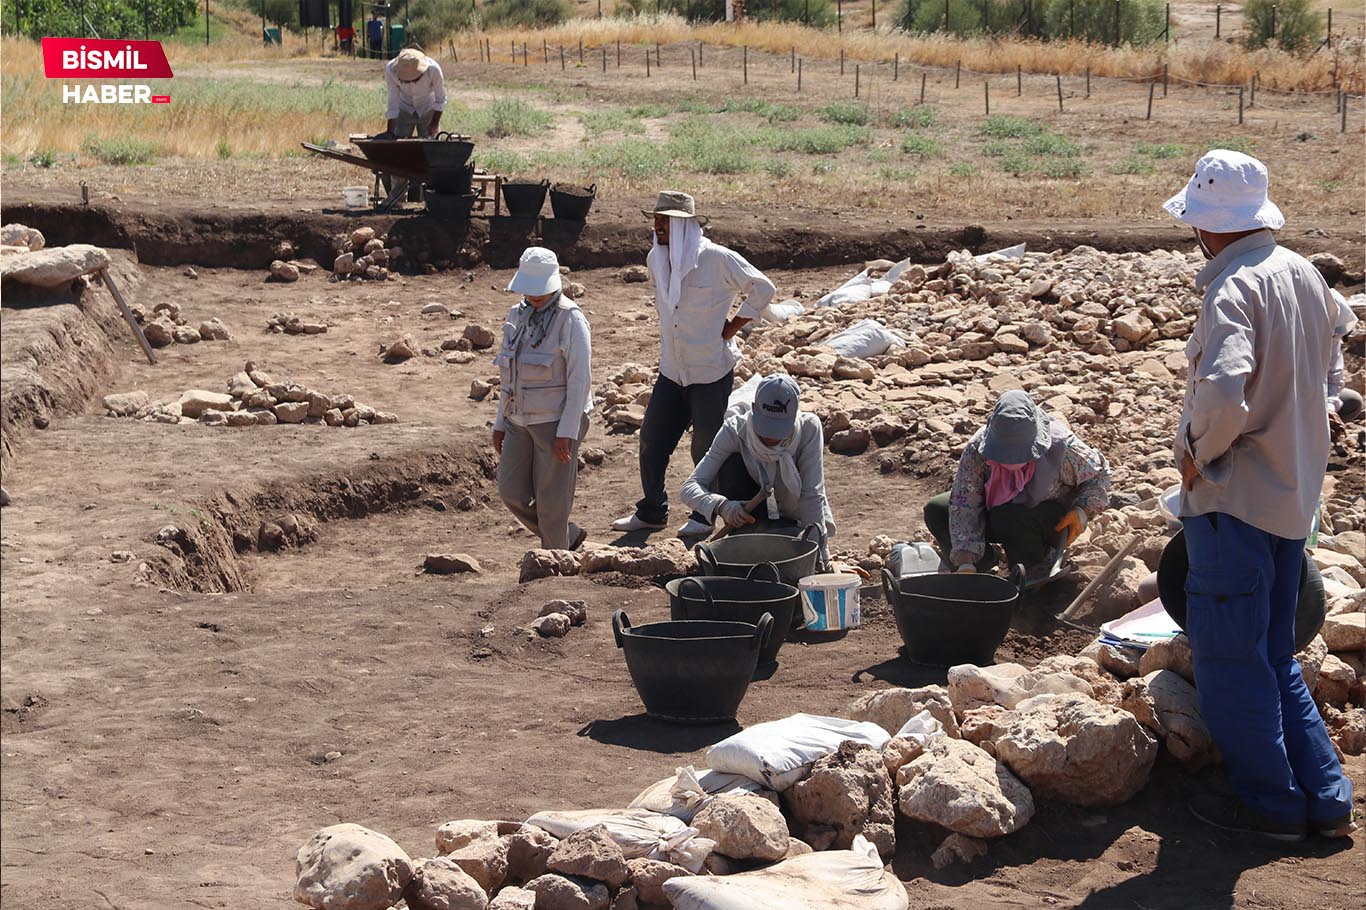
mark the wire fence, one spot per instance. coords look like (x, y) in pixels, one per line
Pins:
(904, 80)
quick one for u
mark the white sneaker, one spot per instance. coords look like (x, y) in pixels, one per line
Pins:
(694, 528)
(634, 522)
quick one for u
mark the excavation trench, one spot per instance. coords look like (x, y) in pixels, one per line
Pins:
(208, 554)
(615, 235)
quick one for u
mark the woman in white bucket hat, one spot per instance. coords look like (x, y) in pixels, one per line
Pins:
(1252, 447)
(544, 397)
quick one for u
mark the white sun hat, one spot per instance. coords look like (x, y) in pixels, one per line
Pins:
(538, 273)
(1226, 195)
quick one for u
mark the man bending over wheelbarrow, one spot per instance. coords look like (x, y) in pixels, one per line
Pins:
(1026, 482)
(417, 95)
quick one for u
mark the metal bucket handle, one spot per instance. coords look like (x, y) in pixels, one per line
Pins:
(706, 559)
(890, 589)
(762, 632)
(820, 533)
(772, 570)
(706, 595)
(621, 624)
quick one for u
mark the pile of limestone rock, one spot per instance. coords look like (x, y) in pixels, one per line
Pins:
(253, 398)
(294, 324)
(363, 254)
(165, 325)
(969, 759)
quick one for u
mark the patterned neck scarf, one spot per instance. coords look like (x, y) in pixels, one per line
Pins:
(539, 322)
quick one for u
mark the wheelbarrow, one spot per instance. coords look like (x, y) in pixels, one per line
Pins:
(441, 165)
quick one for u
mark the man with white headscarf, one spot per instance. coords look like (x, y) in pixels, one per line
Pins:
(696, 283)
(771, 447)
(1252, 447)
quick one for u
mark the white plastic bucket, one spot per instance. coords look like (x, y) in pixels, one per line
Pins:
(1169, 505)
(356, 197)
(830, 602)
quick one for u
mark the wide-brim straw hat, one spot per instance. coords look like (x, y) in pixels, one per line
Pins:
(1226, 195)
(1017, 431)
(410, 64)
(676, 205)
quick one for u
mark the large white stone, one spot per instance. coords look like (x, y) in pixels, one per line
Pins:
(348, 867)
(55, 266)
(960, 787)
(1166, 704)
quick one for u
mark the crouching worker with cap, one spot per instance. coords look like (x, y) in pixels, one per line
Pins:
(1026, 482)
(1252, 446)
(544, 397)
(772, 447)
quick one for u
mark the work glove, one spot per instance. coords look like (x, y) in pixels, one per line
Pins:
(734, 515)
(1074, 522)
(966, 568)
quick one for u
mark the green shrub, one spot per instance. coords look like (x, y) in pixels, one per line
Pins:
(964, 169)
(1000, 126)
(636, 158)
(1161, 150)
(610, 121)
(817, 13)
(847, 114)
(818, 140)
(43, 158)
(997, 148)
(922, 146)
(109, 18)
(1290, 23)
(1065, 167)
(1017, 164)
(783, 113)
(1140, 21)
(922, 116)
(708, 147)
(224, 150)
(1049, 144)
(1135, 164)
(890, 174)
(497, 161)
(524, 13)
(964, 16)
(513, 117)
(777, 167)
(121, 150)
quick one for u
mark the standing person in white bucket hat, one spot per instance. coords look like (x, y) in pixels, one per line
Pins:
(544, 398)
(696, 284)
(1252, 447)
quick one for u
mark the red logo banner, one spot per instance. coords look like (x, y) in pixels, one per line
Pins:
(104, 58)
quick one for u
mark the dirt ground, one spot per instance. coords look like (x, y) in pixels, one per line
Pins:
(163, 747)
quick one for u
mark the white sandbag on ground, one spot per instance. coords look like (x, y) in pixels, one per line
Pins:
(782, 311)
(864, 339)
(741, 401)
(637, 832)
(688, 790)
(832, 880)
(781, 752)
(1010, 252)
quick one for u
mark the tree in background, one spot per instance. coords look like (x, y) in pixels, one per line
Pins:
(108, 18)
(1290, 23)
(1140, 21)
(817, 13)
(525, 13)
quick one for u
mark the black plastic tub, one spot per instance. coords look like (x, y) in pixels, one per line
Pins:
(525, 198)
(448, 165)
(571, 202)
(693, 671)
(736, 555)
(450, 205)
(1171, 587)
(739, 600)
(951, 619)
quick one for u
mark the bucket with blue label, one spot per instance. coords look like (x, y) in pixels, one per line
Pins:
(830, 602)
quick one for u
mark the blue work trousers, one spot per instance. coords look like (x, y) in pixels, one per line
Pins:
(1242, 591)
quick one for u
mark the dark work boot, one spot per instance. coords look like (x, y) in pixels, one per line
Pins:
(1229, 813)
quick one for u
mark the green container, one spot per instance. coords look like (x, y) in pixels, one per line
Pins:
(397, 35)
(272, 35)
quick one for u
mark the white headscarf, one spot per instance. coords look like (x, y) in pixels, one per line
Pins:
(781, 458)
(685, 245)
